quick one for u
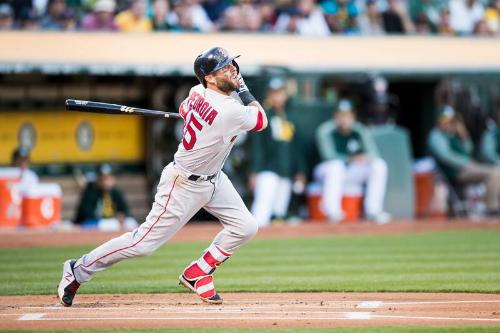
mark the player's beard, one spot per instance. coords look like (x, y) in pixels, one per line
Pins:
(227, 85)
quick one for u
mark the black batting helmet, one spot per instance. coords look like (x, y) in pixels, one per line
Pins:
(210, 61)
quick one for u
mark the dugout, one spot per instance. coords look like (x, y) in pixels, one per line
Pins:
(38, 71)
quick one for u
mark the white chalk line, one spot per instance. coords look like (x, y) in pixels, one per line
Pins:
(346, 316)
(342, 304)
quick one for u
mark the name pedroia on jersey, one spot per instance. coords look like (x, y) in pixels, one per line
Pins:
(197, 103)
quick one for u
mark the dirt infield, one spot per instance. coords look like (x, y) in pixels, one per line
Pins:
(15, 238)
(249, 310)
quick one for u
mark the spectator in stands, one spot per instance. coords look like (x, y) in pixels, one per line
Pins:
(29, 20)
(422, 25)
(231, 20)
(427, 10)
(134, 19)
(370, 22)
(444, 26)
(215, 8)
(481, 29)
(492, 16)
(21, 159)
(189, 15)
(490, 143)
(55, 17)
(276, 158)
(102, 204)
(350, 162)
(451, 146)
(306, 19)
(396, 19)
(6, 17)
(251, 18)
(268, 14)
(341, 16)
(101, 18)
(464, 14)
(161, 11)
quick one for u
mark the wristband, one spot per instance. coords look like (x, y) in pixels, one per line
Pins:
(246, 97)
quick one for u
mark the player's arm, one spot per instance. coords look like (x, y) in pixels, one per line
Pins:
(248, 100)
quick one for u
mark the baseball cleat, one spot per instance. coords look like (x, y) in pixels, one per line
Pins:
(203, 286)
(68, 286)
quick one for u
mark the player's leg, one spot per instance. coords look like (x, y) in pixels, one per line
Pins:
(331, 175)
(266, 189)
(175, 203)
(375, 191)
(239, 227)
(282, 197)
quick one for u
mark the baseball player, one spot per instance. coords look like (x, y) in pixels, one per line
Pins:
(215, 113)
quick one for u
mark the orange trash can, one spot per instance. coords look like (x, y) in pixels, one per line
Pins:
(10, 197)
(42, 205)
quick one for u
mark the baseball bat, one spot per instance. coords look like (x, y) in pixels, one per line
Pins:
(108, 108)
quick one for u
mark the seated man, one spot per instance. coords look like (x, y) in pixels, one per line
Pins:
(103, 205)
(350, 160)
(450, 145)
(21, 159)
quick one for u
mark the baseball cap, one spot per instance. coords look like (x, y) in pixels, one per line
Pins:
(105, 6)
(6, 10)
(105, 169)
(447, 113)
(276, 83)
(344, 105)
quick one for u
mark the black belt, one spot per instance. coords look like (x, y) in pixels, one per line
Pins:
(196, 177)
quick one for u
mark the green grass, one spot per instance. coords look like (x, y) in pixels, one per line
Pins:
(334, 330)
(467, 261)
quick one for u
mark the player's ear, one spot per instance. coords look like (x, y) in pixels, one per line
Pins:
(210, 79)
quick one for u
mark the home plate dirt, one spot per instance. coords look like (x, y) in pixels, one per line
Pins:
(251, 310)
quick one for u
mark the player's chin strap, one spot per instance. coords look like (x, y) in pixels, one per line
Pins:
(207, 263)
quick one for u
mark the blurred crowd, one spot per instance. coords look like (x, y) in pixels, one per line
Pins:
(302, 17)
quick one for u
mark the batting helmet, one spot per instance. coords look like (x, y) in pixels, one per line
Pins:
(210, 61)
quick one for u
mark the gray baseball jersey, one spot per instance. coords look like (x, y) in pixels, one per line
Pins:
(193, 181)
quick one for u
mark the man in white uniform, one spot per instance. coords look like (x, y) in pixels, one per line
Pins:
(351, 163)
(215, 113)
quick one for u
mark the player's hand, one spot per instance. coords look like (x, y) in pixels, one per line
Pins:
(243, 91)
(243, 87)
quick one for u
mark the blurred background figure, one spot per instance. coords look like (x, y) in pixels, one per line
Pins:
(492, 16)
(341, 16)
(396, 19)
(161, 11)
(465, 14)
(276, 159)
(101, 18)
(350, 162)
(305, 19)
(490, 143)
(57, 16)
(103, 206)
(451, 146)
(370, 22)
(189, 15)
(21, 159)
(6, 17)
(134, 19)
